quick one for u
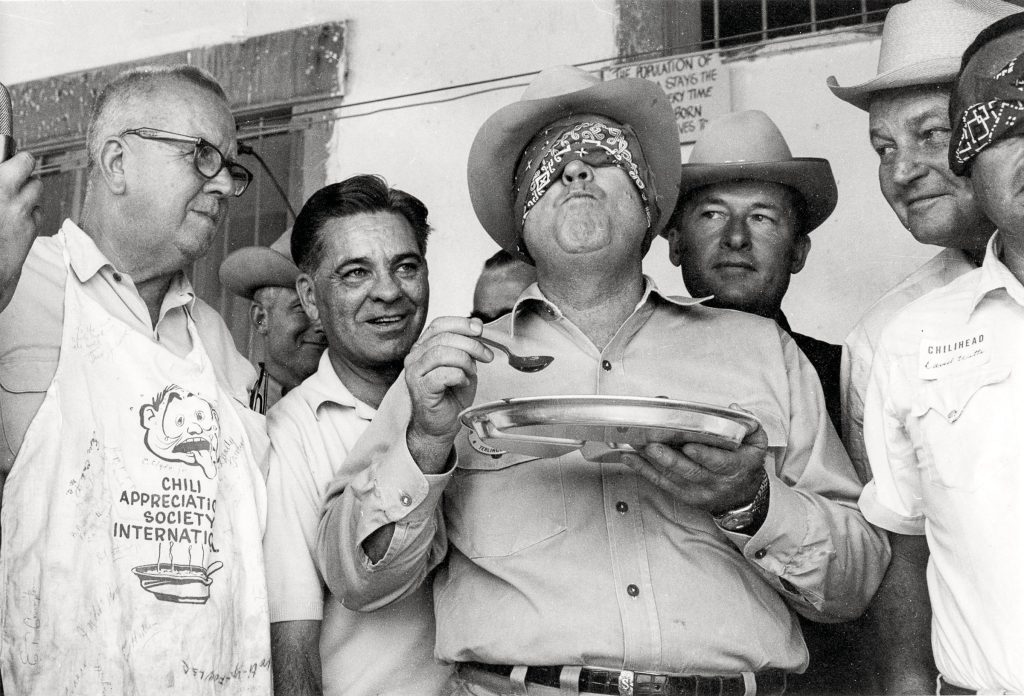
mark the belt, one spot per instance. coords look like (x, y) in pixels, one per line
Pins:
(947, 689)
(592, 680)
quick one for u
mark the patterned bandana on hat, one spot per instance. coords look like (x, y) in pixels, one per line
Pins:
(596, 140)
(991, 109)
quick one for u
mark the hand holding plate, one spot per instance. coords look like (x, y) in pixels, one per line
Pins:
(704, 476)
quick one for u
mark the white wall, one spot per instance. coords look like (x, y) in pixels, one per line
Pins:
(397, 47)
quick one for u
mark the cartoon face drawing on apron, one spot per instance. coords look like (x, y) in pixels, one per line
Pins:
(131, 558)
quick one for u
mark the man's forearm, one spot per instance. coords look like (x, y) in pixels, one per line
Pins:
(900, 617)
(295, 651)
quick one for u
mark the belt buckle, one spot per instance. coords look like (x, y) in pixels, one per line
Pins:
(625, 683)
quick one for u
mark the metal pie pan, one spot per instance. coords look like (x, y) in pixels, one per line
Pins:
(603, 426)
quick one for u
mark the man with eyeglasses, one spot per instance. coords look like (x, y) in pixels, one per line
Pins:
(133, 504)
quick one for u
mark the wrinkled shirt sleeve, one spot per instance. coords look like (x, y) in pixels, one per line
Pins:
(390, 489)
(815, 547)
(855, 370)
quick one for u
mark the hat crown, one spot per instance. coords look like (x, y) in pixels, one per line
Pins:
(741, 136)
(558, 80)
(919, 31)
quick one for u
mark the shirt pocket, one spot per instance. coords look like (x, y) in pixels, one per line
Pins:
(23, 384)
(500, 505)
(949, 413)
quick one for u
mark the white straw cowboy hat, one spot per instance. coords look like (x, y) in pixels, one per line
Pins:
(556, 93)
(747, 145)
(922, 42)
(250, 268)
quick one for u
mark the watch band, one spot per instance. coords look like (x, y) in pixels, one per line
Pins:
(747, 519)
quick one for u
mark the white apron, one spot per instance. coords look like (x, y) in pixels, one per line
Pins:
(131, 558)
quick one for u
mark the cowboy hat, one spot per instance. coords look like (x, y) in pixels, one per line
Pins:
(556, 93)
(747, 145)
(922, 42)
(250, 268)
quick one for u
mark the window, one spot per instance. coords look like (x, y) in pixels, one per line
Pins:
(726, 23)
(279, 104)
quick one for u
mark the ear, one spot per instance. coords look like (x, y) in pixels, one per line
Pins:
(307, 296)
(674, 255)
(258, 315)
(801, 247)
(111, 165)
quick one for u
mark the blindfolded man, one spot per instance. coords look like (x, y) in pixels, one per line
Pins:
(556, 570)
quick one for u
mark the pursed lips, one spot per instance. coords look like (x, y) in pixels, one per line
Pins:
(735, 263)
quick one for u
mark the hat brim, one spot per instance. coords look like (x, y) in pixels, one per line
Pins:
(503, 137)
(929, 72)
(248, 269)
(810, 176)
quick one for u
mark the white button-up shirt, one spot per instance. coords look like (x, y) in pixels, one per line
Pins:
(859, 346)
(387, 652)
(943, 408)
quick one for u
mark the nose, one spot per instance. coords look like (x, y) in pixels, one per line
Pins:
(386, 289)
(222, 184)
(577, 170)
(908, 167)
(735, 234)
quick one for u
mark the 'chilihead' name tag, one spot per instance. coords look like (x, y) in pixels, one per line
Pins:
(953, 354)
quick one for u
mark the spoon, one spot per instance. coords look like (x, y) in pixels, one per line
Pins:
(523, 363)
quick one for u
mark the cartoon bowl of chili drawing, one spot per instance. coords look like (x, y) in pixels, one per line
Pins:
(186, 584)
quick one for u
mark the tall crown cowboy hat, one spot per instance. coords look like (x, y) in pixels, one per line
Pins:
(747, 145)
(248, 269)
(922, 41)
(554, 94)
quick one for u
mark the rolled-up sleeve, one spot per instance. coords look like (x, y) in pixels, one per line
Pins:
(815, 546)
(390, 489)
(892, 500)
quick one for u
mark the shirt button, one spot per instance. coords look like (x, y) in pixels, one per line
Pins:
(760, 553)
(606, 365)
(406, 499)
(622, 507)
(117, 277)
(632, 590)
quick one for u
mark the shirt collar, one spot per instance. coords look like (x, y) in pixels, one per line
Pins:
(993, 275)
(324, 386)
(87, 260)
(533, 297)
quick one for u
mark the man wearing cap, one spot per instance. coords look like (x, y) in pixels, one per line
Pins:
(361, 246)
(740, 228)
(502, 280)
(292, 344)
(671, 569)
(908, 119)
(944, 398)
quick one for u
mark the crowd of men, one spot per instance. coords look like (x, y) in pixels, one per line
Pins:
(158, 535)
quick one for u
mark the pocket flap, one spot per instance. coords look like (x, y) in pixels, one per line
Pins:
(949, 395)
(23, 376)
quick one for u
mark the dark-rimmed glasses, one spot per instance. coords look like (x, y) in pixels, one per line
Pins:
(206, 158)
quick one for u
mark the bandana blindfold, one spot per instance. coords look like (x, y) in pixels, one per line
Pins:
(595, 142)
(992, 110)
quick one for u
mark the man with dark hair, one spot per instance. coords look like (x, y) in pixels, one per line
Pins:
(361, 246)
(569, 566)
(740, 229)
(123, 567)
(502, 280)
(944, 398)
(290, 343)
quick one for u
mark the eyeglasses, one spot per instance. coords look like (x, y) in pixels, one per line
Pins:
(206, 158)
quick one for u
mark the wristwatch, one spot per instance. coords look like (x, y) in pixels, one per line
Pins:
(748, 518)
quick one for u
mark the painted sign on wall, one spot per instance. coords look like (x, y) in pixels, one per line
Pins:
(697, 85)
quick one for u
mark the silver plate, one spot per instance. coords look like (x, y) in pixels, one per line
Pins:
(603, 427)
